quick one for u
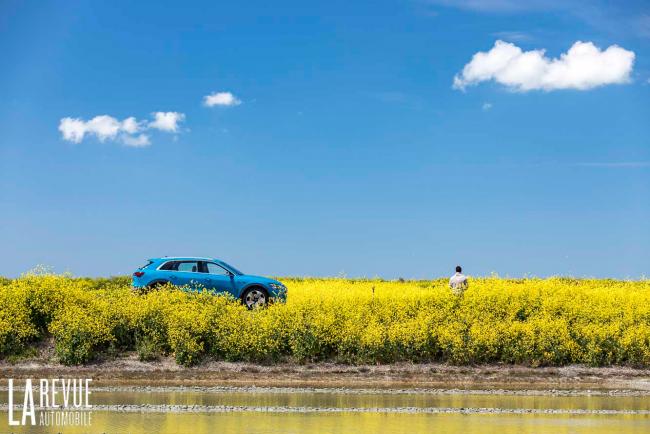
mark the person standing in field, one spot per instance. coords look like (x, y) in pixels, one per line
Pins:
(458, 282)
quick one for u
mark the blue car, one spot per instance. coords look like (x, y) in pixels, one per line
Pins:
(211, 274)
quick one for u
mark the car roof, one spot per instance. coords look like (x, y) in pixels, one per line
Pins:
(183, 258)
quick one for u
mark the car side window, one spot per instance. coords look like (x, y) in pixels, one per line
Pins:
(216, 269)
(169, 266)
(189, 266)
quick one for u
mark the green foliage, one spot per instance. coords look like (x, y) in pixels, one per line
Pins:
(16, 326)
(537, 322)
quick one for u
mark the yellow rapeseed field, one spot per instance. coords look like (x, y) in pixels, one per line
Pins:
(536, 322)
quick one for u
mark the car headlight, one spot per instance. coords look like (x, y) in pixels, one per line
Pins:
(278, 286)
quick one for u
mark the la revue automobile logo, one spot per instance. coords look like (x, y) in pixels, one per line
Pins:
(49, 402)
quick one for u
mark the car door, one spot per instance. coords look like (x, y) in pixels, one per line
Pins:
(218, 278)
(188, 274)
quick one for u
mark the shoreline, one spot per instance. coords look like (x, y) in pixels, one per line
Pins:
(437, 377)
(166, 409)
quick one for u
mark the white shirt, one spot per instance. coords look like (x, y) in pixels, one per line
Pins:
(458, 281)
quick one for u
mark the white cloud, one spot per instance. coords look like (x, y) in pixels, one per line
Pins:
(103, 127)
(513, 36)
(486, 106)
(220, 98)
(106, 127)
(620, 18)
(131, 125)
(139, 141)
(583, 67)
(72, 129)
(507, 6)
(166, 121)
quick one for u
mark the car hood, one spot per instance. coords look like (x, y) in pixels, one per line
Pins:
(247, 278)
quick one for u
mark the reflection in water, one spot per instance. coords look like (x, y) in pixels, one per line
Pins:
(357, 423)
(270, 399)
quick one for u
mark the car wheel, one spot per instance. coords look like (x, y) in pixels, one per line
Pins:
(255, 297)
(155, 286)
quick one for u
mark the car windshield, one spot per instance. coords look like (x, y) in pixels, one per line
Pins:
(231, 268)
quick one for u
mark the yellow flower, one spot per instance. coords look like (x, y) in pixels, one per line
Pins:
(533, 321)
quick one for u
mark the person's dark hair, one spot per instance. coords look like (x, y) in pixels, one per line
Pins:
(459, 269)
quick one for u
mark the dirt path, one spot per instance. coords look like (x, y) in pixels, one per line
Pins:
(166, 373)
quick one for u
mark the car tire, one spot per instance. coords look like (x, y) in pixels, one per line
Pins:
(255, 297)
(155, 286)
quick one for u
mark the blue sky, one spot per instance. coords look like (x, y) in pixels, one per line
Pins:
(345, 148)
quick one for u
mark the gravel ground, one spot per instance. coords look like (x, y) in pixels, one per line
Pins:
(129, 371)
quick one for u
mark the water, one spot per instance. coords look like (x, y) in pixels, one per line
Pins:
(357, 423)
(287, 411)
(374, 400)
